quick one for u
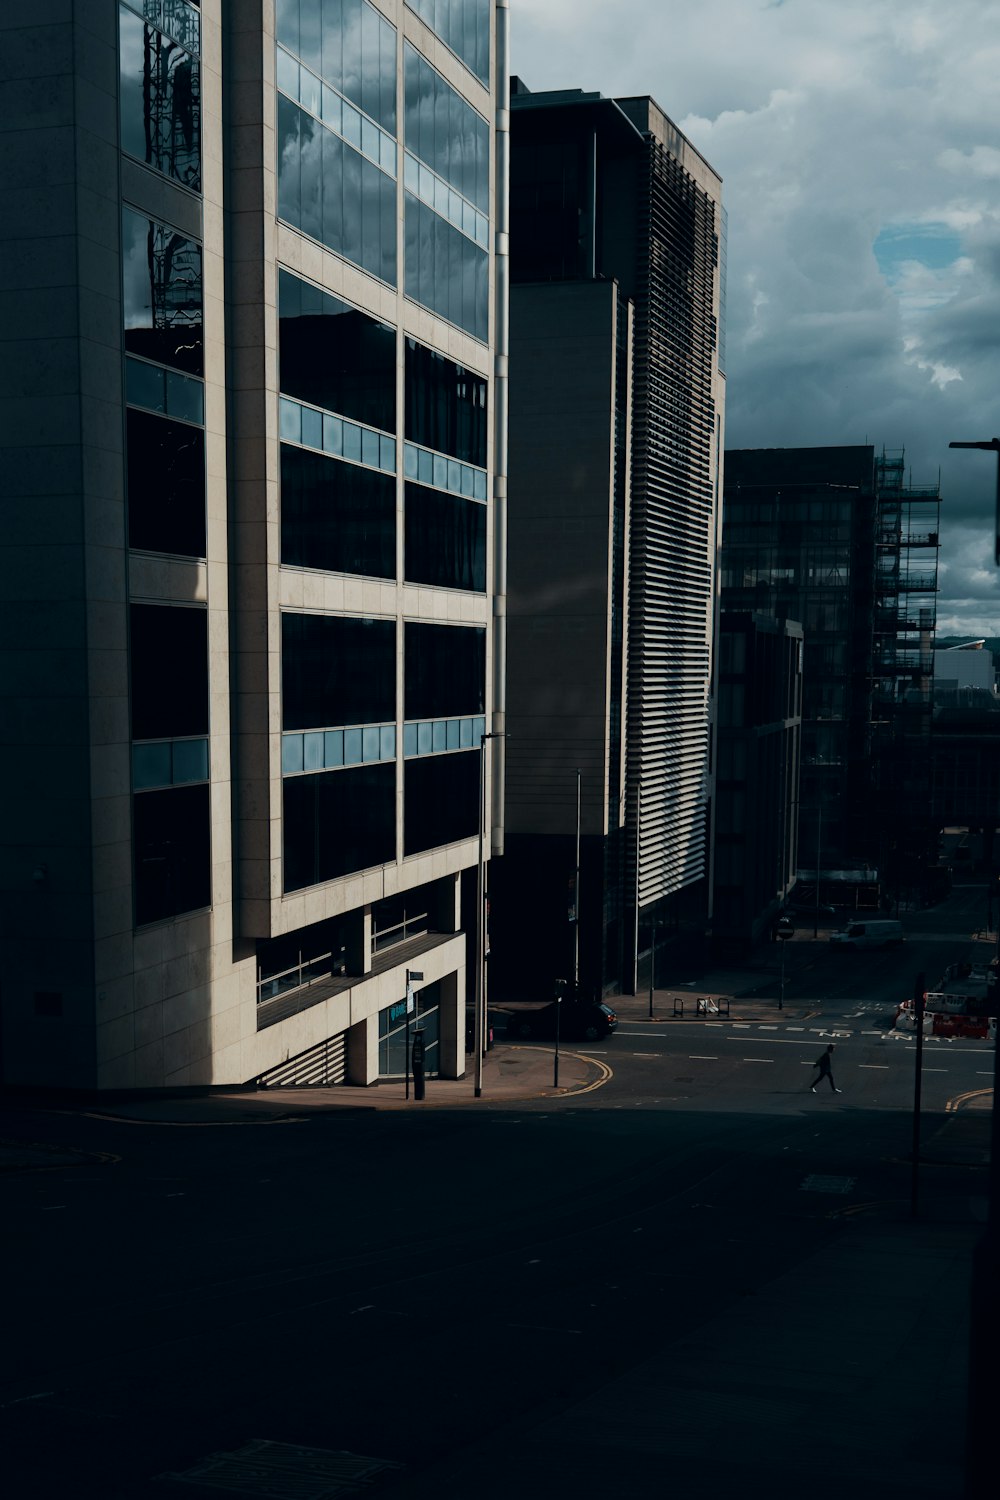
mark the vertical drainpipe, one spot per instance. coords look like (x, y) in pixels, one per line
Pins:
(501, 345)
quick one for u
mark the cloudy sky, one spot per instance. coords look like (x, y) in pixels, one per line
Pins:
(859, 143)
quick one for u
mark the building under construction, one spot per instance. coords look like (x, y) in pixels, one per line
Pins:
(834, 538)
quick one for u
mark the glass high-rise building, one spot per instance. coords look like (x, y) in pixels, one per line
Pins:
(254, 459)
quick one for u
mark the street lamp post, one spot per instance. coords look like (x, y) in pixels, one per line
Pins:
(980, 1453)
(479, 1029)
(784, 932)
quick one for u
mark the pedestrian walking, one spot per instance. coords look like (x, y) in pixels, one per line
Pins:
(825, 1064)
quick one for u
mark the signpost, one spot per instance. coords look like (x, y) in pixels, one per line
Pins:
(783, 932)
(413, 976)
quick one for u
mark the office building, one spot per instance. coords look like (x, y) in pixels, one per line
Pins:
(254, 472)
(834, 539)
(756, 775)
(617, 401)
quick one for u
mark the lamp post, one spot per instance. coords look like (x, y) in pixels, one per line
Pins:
(980, 1454)
(479, 1029)
(784, 932)
(412, 977)
(576, 895)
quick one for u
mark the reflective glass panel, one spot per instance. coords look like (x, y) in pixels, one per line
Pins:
(190, 761)
(159, 100)
(144, 385)
(151, 765)
(387, 742)
(444, 131)
(185, 397)
(312, 752)
(425, 739)
(353, 747)
(333, 749)
(444, 270)
(291, 754)
(370, 743)
(464, 26)
(162, 293)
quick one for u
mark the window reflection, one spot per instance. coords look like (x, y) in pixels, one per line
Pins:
(445, 405)
(337, 822)
(166, 484)
(336, 516)
(159, 98)
(162, 293)
(464, 26)
(445, 540)
(350, 45)
(444, 671)
(440, 800)
(444, 270)
(329, 191)
(444, 131)
(337, 669)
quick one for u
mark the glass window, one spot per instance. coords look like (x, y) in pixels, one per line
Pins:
(387, 742)
(338, 822)
(370, 743)
(313, 748)
(171, 847)
(168, 671)
(464, 26)
(353, 747)
(444, 131)
(162, 293)
(335, 356)
(166, 484)
(331, 192)
(440, 801)
(337, 669)
(348, 44)
(444, 540)
(333, 747)
(444, 270)
(445, 670)
(445, 405)
(189, 761)
(159, 99)
(151, 765)
(336, 516)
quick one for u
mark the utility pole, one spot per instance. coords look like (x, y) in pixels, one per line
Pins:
(479, 1027)
(576, 896)
(980, 1445)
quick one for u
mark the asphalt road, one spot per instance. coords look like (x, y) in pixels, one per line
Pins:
(400, 1285)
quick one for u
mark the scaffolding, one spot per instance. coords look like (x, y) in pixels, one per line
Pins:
(907, 541)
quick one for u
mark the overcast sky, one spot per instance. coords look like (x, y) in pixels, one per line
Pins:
(859, 146)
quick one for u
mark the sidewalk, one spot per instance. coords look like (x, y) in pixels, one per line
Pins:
(510, 1072)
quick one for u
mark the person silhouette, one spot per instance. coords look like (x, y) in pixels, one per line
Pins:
(825, 1064)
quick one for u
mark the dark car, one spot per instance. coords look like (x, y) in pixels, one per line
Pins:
(578, 1021)
(806, 909)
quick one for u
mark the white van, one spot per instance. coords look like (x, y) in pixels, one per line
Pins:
(881, 933)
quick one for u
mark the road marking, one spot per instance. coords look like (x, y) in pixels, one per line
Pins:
(960, 1099)
(701, 1057)
(643, 1034)
(758, 1059)
(935, 1070)
(741, 1026)
(795, 1028)
(643, 1054)
(775, 1041)
(883, 1066)
(766, 1028)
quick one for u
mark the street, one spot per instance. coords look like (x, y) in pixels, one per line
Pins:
(420, 1286)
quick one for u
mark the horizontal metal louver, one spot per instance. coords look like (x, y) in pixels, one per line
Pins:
(673, 526)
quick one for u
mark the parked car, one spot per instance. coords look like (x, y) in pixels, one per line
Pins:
(804, 909)
(578, 1021)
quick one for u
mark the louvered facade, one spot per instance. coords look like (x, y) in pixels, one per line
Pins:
(677, 419)
(614, 512)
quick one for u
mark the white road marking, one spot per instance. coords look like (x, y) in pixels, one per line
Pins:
(795, 1028)
(883, 1066)
(643, 1054)
(759, 1059)
(774, 1041)
(935, 1070)
(741, 1026)
(701, 1057)
(766, 1028)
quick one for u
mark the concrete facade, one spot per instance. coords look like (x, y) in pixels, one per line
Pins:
(90, 1000)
